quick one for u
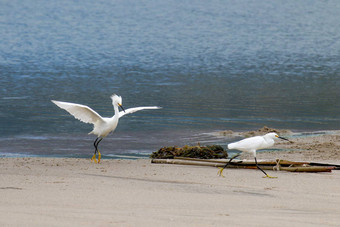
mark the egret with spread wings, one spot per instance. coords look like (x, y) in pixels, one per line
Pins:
(102, 126)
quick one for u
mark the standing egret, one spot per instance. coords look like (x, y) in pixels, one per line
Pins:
(252, 144)
(102, 126)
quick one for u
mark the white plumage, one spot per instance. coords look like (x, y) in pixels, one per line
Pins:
(132, 110)
(80, 112)
(102, 126)
(251, 145)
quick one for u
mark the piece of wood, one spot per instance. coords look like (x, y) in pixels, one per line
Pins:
(223, 161)
(183, 162)
(244, 162)
(293, 168)
(308, 169)
(264, 167)
(337, 166)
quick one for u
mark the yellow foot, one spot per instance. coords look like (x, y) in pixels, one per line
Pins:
(267, 176)
(220, 172)
(99, 156)
(94, 158)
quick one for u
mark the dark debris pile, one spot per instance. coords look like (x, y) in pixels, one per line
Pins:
(203, 152)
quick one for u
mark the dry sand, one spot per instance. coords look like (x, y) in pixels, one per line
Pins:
(76, 192)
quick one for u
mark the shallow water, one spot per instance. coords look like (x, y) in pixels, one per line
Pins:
(216, 65)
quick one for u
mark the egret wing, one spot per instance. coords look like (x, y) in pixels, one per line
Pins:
(80, 112)
(248, 144)
(135, 109)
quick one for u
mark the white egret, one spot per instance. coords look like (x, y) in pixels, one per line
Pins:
(102, 126)
(252, 144)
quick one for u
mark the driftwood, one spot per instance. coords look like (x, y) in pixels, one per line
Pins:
(260, 162)
(245, 162)
(278, 165)
(337, 167)
(294, 168)
(182, 162)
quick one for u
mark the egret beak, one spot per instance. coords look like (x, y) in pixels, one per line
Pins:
(283, 138)
(120, 105)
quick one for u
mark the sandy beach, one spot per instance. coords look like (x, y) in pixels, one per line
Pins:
(76, 192)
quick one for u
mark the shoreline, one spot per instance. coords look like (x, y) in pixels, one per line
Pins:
(321, 145)
(47, 191)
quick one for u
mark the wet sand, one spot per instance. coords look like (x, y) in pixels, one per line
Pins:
(76, 192)
(306, 146)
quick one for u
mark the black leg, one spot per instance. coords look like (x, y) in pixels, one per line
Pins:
(95, 146)
(260, 168)
(226, 165)
(221, 169)
(98, 142)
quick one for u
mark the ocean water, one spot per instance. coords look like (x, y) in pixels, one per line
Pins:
(212, 65)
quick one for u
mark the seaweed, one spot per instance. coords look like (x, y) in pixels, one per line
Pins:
(203, 152)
